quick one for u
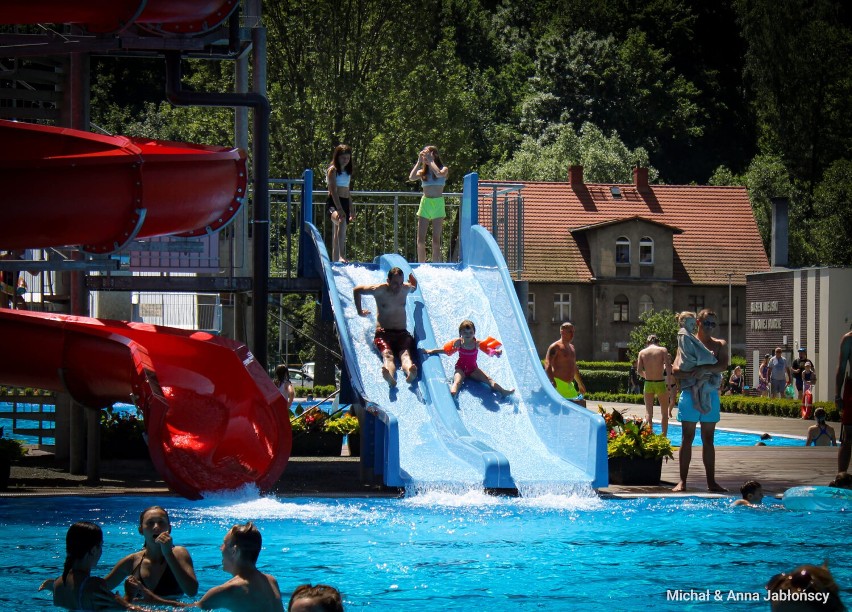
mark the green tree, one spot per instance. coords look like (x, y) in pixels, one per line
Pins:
(605, 159)
(663, 323)
(797, 63)
(832, 231)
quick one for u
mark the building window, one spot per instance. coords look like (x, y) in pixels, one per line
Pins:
(531, 307)
(696, 303)
(620, 308)
(646, 252)
(732, 315)
(561, 307)
(646, 304)
(622, 251)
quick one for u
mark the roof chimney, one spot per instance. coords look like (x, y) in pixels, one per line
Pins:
(640, 178)
(780, 230)
(575, 175)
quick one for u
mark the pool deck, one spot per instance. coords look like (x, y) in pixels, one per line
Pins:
(777, 468)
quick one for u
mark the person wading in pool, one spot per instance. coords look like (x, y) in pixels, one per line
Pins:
(161, 566)
(249, 590)
(655, 366)
(690, 415)
(392, 338)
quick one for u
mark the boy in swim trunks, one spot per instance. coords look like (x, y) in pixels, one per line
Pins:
(392, 338)
(467, 346)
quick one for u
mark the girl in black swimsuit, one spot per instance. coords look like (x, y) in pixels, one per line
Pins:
(160, 566)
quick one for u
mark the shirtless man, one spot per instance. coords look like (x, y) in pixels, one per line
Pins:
(690, 415)
(655, 366)
(249, 590)
(560, 364)
(392, 338)
(843, 401)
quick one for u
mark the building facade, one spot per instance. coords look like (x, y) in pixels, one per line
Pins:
(599, 255)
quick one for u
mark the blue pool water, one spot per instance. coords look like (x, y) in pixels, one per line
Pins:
(458, 552)
(727, 437)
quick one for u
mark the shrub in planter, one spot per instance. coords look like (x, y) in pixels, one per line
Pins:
(10, 451)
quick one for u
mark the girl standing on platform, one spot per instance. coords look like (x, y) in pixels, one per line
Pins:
(338, 205)
(432, 174)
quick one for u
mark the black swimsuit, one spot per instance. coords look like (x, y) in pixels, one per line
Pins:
(168, 584)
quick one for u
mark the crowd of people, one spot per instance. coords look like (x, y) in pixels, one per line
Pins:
(161, 571)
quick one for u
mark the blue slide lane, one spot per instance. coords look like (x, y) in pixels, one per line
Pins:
(418, 434)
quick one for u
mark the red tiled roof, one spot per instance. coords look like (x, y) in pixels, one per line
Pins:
(714, 230)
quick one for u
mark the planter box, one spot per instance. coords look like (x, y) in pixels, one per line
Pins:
(355, 445)
(635, 471)
(317, 445)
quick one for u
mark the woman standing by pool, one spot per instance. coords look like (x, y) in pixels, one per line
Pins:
(338, 205)
(432, 174)
(161, 566)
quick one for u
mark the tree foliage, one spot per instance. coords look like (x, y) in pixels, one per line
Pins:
(663, 323)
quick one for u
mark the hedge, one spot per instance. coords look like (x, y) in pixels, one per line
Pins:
(736, 404)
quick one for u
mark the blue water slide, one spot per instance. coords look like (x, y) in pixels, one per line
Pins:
(419, 434)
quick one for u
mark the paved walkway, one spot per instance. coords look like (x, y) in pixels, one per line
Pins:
(777, 468)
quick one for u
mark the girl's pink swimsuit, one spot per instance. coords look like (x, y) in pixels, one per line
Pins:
(467, 357)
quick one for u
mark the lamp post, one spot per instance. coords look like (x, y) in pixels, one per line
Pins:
(730, 276)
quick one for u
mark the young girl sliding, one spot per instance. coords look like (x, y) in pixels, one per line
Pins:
(467, 346)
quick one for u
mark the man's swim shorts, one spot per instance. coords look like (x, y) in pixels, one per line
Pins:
(685, 411)
(394, 340)
(655, 387)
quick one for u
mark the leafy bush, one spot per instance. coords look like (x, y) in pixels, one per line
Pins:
(604, 365)
(122, 436)
(11, 448)
(611, 381)
(347, 424)
(633, 438)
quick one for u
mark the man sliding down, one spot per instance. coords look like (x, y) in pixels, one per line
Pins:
(392, 338)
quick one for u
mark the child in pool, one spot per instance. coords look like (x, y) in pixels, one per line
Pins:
(162, 566)
(77, 589)
(693, 354)
(467, 346)
(752, 492)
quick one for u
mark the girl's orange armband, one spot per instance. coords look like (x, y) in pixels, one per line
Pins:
(490, 345)
(450, 347)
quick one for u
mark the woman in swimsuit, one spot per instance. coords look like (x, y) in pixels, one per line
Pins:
(77, 589)
(339, 205)
(161, 566)
(432, 174)
(467, 346)
(820, 434)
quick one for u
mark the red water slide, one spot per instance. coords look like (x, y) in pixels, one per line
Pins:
(215, 420)
(102, 16)
(64, 187)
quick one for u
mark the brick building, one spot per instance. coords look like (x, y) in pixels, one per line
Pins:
(601, 254)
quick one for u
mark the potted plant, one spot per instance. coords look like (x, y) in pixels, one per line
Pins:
(635, 452)
(348, 426)
(10, 451)
(310, 438)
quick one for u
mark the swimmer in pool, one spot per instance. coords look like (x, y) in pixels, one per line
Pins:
(752, 493)
(77, 589)
(161, 566)
(467, 346)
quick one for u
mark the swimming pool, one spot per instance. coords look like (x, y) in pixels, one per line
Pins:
(729, 437)
(439, 551)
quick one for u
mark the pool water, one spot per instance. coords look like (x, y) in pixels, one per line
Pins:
(728, 437)
(439, 551)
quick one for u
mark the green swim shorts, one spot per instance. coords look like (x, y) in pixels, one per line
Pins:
(431, 208)
(655, 386)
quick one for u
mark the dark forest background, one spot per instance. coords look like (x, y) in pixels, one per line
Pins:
(723, 92)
